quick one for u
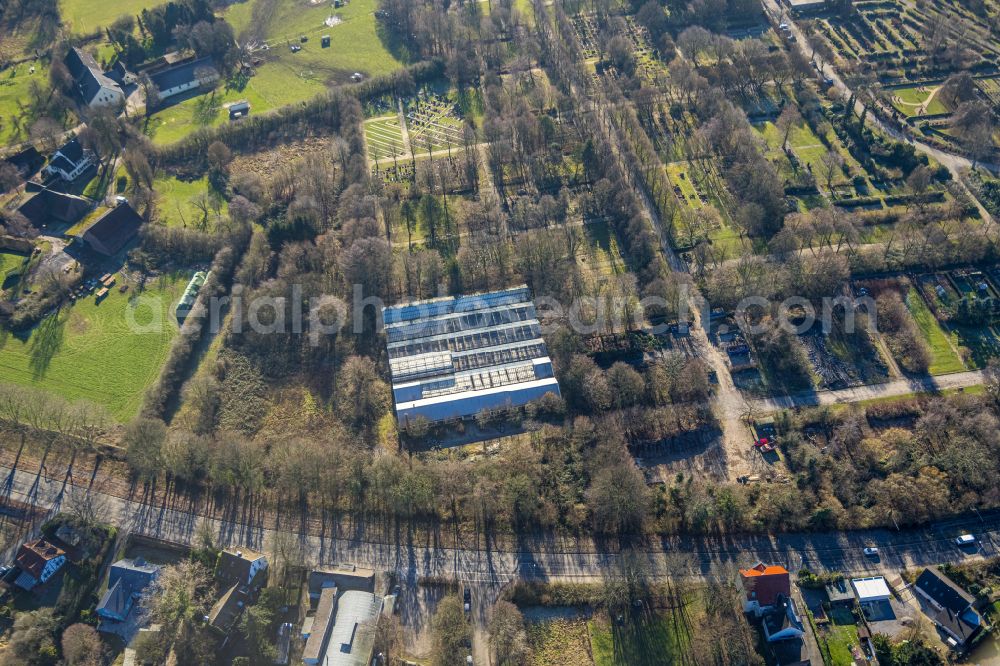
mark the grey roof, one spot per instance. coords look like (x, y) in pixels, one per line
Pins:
(171, 77)
(234, 565)
(115, 228)
(228, 608)
(126, 582)
(72, 151)
(454, 357)
(344, 578)
(87, 74)
(839, 591)
(353, 635)
(48, 206)
(943, 590)
(784, 616)
(321, 623)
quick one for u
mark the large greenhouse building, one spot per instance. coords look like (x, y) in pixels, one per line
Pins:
(455, 357)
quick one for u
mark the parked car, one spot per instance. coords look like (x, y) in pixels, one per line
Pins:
(965, 540)
(467, 595)
(871, 551)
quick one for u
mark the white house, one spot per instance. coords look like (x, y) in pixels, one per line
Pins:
(240, 567)
(96, 89)
(183, 77)
(70, 161)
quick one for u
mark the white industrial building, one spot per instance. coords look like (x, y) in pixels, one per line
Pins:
(455, 357)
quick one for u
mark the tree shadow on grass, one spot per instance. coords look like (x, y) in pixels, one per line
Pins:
(45, 343)
(641, 637)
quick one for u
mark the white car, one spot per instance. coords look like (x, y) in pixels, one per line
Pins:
(965, 540)
(871, 550)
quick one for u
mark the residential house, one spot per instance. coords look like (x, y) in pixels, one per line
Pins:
(240, 567)
(782, 622)
(949, 606)
(95, 88)
(127, 580)
(227, 610)
(764, 586)
(183, 77)
(113, 230)
(38, 561)
(49, 208)
(70, 161)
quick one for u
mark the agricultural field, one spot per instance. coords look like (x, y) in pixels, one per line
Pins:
(89, 351)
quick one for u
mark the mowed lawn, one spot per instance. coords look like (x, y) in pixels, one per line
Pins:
(911, 101)
(89, 350)
(284, 77)
(85, 16)
(943, 356)
(15, 86)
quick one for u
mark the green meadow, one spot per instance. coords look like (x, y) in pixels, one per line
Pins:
(90, 350)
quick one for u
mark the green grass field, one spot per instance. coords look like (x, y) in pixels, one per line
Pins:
(654, 639)
(285, 77)
(944, 358)
(89, 350)
(9, 262)
(176, 203)
(15, 84)
(839, 639)
(912, 101)
(84, 16)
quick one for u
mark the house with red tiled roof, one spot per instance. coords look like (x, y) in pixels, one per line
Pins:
(38, 561)
(764, 586)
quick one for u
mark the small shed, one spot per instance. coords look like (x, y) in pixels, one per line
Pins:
(239, 110)
(871, 589)
(325, 41)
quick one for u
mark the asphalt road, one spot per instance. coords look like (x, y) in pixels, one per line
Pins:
(488, 566)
